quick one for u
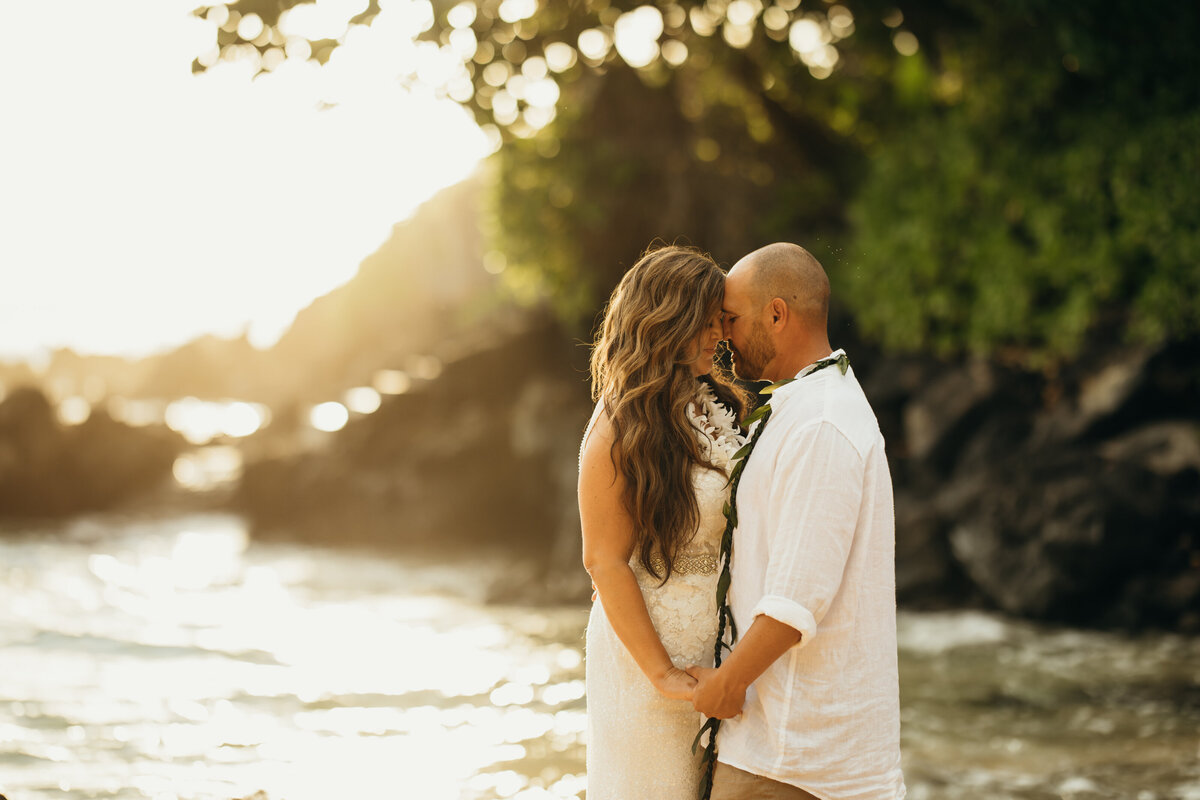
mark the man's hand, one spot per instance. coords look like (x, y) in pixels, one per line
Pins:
(714, 695)
(721, 693)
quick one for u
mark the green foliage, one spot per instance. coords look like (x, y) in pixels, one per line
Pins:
(632, 159)
(532, 215)
(1153, 187)
(979, 243)
(1029, 211)
(1019, 180)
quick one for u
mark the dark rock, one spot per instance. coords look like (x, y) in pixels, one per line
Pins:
(1108, 389)
(30, 437)
(1165, 448)
(890, 383)
(1108, 392)
(937, 417)
(1072, 497)
(1062, 536)
(46, 469)
(926, 571)
(110, 461)
(486, 452)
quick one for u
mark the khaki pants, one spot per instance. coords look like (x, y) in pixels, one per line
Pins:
(731, 783)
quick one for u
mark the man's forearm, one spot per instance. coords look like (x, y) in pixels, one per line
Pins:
(721, 692)
(759, 648)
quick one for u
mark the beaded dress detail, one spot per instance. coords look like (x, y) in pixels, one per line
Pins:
(639, 742)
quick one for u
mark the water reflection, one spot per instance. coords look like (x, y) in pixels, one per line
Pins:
(201, 421)
(208, 468)
(177, 658)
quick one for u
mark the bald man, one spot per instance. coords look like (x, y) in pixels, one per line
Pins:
(810, 691)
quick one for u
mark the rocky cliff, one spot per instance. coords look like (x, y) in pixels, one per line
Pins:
(1073, 498)
(424, 284)
(483, 456)
(47, 469)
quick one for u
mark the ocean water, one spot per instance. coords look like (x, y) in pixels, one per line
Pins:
(172, 657)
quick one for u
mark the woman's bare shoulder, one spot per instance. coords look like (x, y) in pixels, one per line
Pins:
(598, 450)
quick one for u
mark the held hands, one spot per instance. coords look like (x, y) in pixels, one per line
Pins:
(713, 696)
(675, 684)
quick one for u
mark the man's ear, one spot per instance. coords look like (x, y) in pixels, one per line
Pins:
(779, 312)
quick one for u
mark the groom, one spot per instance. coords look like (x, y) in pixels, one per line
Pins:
(809, 693)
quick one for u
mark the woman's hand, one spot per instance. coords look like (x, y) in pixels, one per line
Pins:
(675, 684)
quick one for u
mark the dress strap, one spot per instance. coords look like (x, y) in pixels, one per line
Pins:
(587, 431)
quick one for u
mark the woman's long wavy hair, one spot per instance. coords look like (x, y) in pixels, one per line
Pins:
(641, 369)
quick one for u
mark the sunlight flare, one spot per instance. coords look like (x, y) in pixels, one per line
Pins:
(636, 34)
(172, 205)
(329, 417)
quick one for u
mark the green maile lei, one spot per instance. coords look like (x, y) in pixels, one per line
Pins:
(761, 415)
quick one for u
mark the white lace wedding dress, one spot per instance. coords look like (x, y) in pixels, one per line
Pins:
(639, 742)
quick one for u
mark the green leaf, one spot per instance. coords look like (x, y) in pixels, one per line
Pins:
(743, 451)
(756, 415)
(711, 725)
(843, 363)
(777, 385)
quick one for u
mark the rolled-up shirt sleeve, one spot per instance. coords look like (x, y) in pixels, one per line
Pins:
(816, 494)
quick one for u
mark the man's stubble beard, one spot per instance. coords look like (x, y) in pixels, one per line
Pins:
(759, 351)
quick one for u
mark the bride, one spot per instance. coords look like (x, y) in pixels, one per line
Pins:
(652, 486)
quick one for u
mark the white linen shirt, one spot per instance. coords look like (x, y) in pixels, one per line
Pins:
(814, 549)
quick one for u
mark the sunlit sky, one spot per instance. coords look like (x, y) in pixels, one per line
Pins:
(141, 206)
